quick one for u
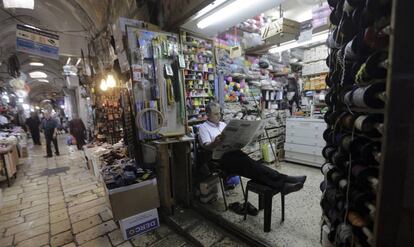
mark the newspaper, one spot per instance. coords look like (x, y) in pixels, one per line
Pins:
(237, 134)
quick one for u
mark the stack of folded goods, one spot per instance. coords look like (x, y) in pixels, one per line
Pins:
(8, 139)
(118, 171)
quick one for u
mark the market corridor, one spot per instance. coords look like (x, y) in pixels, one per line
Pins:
(56, 202)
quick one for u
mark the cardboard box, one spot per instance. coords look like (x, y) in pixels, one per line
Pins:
(24, 152)
(133, 199)
(139, 224)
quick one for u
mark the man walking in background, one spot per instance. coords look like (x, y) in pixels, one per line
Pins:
(33, 123)
(49, 126)
(77, 129)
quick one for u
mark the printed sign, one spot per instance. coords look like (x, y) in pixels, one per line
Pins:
(37, 42)
(139, 224)
(141, 228)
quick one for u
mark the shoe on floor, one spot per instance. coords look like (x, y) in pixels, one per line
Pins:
(289, 188)
(295, 179)
(57, 154)
(48, 156)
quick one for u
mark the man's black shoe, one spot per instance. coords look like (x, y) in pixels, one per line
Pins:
(289, 188)
(57, 154)
(295, 179)
(47, 156)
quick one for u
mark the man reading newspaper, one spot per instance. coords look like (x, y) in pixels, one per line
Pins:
(226, 150)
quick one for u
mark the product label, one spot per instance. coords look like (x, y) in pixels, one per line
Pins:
(136, 72)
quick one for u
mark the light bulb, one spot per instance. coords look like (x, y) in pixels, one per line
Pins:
(103, 85)
(110, 81)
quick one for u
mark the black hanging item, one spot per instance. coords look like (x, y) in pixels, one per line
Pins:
(14, 66)
(176, 80)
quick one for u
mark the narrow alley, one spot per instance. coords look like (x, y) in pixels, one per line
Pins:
(56, 202)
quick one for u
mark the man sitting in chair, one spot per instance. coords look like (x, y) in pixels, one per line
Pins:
(239, 163)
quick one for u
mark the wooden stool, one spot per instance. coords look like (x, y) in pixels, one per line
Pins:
(266, 194)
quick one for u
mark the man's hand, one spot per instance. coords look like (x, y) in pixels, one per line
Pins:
(219, 139)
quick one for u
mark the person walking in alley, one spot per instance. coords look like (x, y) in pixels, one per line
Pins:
(33, 123)
(77, 129)
(49, 126)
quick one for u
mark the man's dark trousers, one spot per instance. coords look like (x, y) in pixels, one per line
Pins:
(49, 139)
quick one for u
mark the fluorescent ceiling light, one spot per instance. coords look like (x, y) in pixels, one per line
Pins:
(209, 8)
(43, 80)
(227, 12)
(78, 62)
(68, 61)
(318, 37)
(36, 64)
(22, 4)
(38, 74)
(30, 26)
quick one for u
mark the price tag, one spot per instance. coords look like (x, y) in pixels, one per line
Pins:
(168, 70)
(136, 72)
(181, 61)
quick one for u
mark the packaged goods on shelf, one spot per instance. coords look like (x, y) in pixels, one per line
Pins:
(199, 75)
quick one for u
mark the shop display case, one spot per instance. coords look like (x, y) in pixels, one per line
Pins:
(199, 75)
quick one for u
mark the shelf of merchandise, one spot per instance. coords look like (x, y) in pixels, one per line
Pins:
(198, 54)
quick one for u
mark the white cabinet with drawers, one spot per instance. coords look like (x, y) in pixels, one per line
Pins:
(304, 141)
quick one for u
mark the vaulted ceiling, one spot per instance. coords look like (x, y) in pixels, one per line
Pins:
(75, 21)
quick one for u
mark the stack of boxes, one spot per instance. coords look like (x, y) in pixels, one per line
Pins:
(314, 61)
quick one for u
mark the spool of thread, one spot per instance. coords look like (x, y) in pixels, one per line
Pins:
(325, 237)
(356, 219)
(344, 234)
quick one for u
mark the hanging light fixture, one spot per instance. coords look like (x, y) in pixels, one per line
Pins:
(103, 85)
(110, 81)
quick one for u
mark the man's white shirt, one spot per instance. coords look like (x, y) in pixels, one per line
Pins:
(208, 131)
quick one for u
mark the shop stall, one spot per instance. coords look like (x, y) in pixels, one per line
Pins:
(274, 69)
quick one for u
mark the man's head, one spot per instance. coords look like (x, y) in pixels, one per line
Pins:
(213, 112)
(47, 114)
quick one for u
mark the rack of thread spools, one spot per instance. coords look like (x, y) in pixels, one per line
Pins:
(358, 62)
(199, 75)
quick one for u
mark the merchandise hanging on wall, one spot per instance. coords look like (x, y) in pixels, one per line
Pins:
(156, 83)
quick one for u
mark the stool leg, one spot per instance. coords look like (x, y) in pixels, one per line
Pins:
(267, 213)
(245, 203)
(224, 194)
(242, 187)
(261, 202)
(283, 207)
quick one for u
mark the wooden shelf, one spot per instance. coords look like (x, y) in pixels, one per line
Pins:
(316, 74)
(201, 97)
(258, 50)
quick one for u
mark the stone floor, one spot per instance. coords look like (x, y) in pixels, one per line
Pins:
(301, 227)
(57, 202)
(64, 209)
